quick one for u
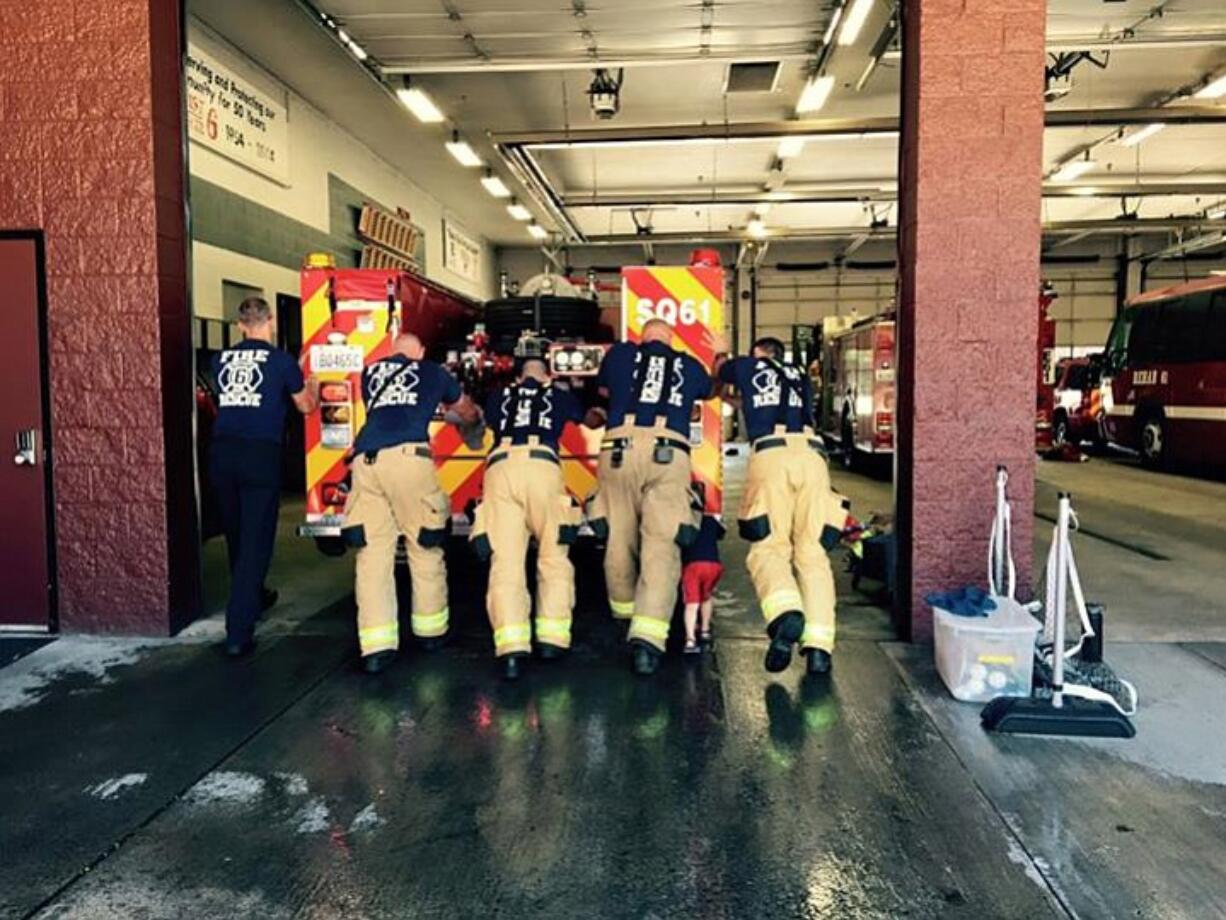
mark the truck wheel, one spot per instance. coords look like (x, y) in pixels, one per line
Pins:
(1155, 446)
(330, 546)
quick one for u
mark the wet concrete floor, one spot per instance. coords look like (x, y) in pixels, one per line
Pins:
(178, 784)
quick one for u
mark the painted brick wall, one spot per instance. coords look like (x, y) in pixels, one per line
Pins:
(970, 174)
(92, 154)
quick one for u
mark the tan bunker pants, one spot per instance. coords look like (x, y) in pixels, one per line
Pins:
(525, 498)
(787, 505)
(645, 502)
(398, 493)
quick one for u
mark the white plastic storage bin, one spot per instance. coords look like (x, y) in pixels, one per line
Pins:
(981, 658)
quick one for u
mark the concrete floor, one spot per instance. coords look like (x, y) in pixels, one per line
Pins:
(154, 779)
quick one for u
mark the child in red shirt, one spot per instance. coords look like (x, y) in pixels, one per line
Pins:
(701, 571)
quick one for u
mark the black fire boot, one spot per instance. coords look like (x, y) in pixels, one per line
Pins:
(646, 659)
(433, 643)
(240, 649)
(818, 663)
(785, 631)
(378, 661)
(550, 652)
(511, 665)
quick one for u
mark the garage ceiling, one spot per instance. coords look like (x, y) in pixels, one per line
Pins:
(503, 71)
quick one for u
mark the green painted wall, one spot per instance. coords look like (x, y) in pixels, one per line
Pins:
(228, 221)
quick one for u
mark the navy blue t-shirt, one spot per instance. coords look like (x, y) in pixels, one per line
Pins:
(760, 383)
(254, 384)
(522, 410)
(401, 396)
(667, 382)
(706, 547)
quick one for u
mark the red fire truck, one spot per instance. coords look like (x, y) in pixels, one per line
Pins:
(351, 316)
(1045, 382)
(859, 372)
(1164, 375)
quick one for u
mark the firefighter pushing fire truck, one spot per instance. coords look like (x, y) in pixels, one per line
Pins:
(351, 316)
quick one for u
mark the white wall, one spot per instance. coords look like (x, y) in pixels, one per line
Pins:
(317, 147)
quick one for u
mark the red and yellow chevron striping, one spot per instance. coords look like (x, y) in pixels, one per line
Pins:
(691, 300)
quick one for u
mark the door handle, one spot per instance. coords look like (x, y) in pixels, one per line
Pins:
(27, 447)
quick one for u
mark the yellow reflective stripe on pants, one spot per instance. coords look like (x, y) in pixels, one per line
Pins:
(649, 629)
(781, 602)
(516, 637)
(379, 638)
(429, 625)
(816, 636)
(553, 630)
(622, 610)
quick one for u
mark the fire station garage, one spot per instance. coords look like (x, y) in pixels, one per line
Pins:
(957, 272)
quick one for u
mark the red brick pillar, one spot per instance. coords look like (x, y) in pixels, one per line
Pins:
(92, 154)
(969, 238)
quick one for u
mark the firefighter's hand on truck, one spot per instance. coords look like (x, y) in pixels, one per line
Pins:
(307, 400)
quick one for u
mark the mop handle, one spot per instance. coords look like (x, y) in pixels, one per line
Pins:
(1062, 540)
(1000, 543)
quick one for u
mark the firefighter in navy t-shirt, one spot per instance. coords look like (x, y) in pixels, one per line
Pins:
(788, 512)
(256, 383)
(524, 497)
(396, 491)
(644, 482)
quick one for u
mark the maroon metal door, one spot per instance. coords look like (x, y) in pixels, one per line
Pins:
(25, 558)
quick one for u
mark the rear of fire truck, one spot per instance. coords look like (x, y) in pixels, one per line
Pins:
(351, 316)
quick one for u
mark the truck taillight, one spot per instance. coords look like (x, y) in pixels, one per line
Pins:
(334, 391)
(885, 421)
(333, 493)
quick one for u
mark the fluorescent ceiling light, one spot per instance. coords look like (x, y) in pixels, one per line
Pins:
(790, 147)
(358, 51)
(816, 92)
(757, 228)
(835, 18)
(538, 232)
(1215, 89)
(495, 186)
(463, 153)
(1072, 169)
(1131, 140)
(1216, 213)
(420, 104)
(518, 211)
(855, 21)
(343, 36)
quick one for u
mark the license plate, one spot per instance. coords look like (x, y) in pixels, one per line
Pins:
(345, 358)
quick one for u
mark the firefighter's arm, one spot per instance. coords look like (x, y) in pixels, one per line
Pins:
(718, 344)
(463, 411)
(306, 400)
(468, 419)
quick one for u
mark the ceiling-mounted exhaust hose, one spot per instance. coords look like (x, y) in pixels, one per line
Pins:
(332, 299)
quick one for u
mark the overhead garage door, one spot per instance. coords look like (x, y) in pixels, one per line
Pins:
(790, 294)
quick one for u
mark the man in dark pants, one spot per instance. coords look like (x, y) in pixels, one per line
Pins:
(256, 383)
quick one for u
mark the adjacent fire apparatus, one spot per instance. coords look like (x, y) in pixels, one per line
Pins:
(859, 379)
(350, 317)
(1164, 375)
(1045, 381)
